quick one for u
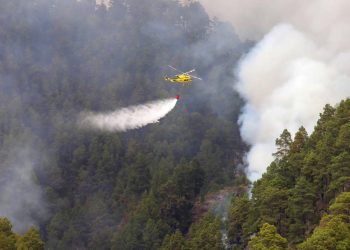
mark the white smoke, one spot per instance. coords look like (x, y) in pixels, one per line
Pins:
(128, 118)
(107, 3)
(21, 198)
(301, 63)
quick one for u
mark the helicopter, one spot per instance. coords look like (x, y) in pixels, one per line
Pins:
(183, 78)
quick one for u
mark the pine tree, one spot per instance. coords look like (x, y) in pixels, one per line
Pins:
(334, 229)
(283, 144)
(300, 140)
(268, 239)
(301, 209)
(30, 240)
(238, 215)
(340, 174)
(205, 234)
(7, 237)
(341, 206)
(10, 241)
(174, 241)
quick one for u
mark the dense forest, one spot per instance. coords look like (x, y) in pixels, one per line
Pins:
(303, 200)
(94, 190)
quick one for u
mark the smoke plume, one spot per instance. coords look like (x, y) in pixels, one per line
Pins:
(300, 63)
(21, 197)
(128, 118)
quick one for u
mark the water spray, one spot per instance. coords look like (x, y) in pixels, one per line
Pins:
(127, 118)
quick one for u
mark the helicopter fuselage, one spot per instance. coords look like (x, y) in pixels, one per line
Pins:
(182, 78)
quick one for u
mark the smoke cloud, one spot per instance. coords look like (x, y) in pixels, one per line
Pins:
(300, 63)
(128, 118)
(21, 197)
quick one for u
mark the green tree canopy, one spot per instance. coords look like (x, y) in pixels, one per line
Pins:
(10, 241)
(7, 237)
(30, 240)
(237, 217)
(205, 234)
(283, 144)
(268, 239)
(174, 241)
(333, 231)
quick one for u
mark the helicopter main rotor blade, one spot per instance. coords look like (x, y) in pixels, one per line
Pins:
(176, 69)
(186, 73)
(192, 70)
(196, 77)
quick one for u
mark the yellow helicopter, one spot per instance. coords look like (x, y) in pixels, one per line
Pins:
(183, 78)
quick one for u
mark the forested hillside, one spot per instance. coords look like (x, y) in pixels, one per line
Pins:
(141, 189)
(94, 190)
(309, 180)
